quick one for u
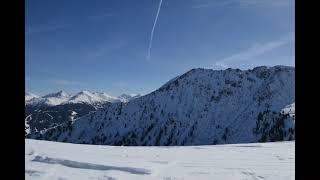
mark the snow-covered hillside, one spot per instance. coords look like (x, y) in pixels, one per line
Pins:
(202, 106)
(259, 161)
(289, 109)
(42, 117)
(55, 109)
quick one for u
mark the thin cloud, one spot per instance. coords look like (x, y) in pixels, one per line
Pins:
(66, 82)
(120, 84)
(47, 28)
(245, 3)
(211, 4)
(107, 48)
(272, 3)
(102, 16)
(29, 30)
(255, 50)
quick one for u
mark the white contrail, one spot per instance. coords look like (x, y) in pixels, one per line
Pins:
(154, 25)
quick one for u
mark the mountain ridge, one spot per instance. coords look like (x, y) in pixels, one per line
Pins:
(54, 109)
(61, 97)
(201, 106)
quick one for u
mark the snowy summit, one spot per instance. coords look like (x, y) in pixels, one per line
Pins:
(61, 97)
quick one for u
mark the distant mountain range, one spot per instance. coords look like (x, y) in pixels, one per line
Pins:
(61, 97)
(201, 106)
(57, 108)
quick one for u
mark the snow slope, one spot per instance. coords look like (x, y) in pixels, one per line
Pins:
(42, 117)
(201, 106)
(256, 161)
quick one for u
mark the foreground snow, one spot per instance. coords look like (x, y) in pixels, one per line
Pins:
(259, 161)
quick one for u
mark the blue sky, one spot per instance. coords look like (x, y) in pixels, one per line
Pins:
(102, 45)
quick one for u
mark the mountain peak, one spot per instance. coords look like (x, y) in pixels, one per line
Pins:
(128, 97)
(57, 94)
(91, 97)
(29, 96)
(62, 93)
(84, 92)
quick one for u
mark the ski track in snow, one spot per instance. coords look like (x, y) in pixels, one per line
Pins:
(83, 165)
(256, 161)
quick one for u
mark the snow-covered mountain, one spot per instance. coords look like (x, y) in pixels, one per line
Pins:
(61, 97)
(93, 98)
(29, 96)
(57, 108)
(60, 94)
(128, 97)
(52, 99)
(202, 106)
